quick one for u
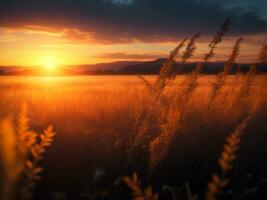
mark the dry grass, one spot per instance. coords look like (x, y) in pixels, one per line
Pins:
(97, 117)
(21, 149)
(159, 146)
(137, 192)
(229, 154)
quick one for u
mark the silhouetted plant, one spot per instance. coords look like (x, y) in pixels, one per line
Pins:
(22, 149)
(219, 181)
(138, 192)
(160, 145)
(221, 77)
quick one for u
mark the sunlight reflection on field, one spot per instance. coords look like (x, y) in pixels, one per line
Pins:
(84, 100)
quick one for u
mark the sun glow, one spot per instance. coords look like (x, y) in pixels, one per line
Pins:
(50, 64)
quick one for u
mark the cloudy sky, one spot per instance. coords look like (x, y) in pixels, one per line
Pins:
(91, 31)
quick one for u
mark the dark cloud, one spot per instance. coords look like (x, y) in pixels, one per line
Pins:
(259, 6)
(130, 20)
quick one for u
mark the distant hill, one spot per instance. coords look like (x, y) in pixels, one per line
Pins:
(114, 66)
(149, 67)
(99, 68)
(10, 70)
(125, 67)
(153, 67)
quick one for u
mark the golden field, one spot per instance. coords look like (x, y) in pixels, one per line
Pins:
(84, 103)
(94, 119)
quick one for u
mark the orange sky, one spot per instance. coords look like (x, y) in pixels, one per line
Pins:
(34, 45)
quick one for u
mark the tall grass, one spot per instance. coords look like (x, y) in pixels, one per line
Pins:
(222, 76)
(228, 156)
(160, 145)
(138, 193)
(21, 151)
(166, 77)
(175, 116)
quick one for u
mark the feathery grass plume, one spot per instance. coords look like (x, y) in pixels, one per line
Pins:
(187, 54)
(10, 165)
(191, 81)
(31, 147)
(26, 138)
(170, 74)
(167, 73)
(219, 181)
(138, 192)
(166, 76)
(168, 70)
(233, 56)
(217, 38)
(190, 49)
(221, 77)
(263, 54)
(159, 146)
(32, 168)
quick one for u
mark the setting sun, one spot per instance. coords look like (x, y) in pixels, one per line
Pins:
(50, 65)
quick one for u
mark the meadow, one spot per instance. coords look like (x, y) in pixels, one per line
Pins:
(94, 116)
